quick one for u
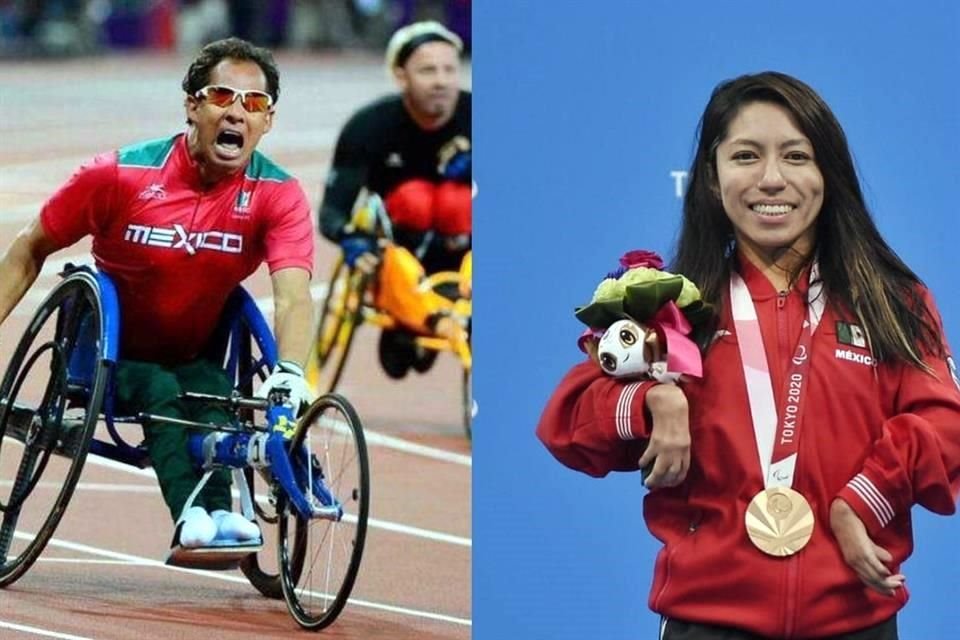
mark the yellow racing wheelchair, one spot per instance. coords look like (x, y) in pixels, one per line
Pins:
(384, 299)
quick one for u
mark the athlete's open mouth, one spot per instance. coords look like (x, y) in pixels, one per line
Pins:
(229, 144)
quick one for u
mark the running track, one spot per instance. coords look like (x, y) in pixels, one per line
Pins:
(101, 577)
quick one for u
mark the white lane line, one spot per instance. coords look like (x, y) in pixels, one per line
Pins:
(108, 487)
(419, 533)
(424, 451)
(75, 546)
(386, 525)
(88, 561)
(40, 632)
(100, 461)
(93, 486)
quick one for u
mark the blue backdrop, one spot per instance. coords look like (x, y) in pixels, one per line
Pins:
(583, 112)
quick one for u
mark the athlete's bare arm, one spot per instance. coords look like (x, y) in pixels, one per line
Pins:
(293, 319)
(21, 265)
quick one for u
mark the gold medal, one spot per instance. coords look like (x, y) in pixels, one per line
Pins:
(779, 521)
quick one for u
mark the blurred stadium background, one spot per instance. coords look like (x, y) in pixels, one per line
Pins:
(58, 28)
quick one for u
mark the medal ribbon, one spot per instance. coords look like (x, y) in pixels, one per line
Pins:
(777, 433)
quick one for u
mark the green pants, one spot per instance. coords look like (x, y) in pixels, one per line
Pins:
(152, 388)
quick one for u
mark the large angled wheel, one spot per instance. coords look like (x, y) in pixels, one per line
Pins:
(340, 316)
(50, 400)
(320, 558)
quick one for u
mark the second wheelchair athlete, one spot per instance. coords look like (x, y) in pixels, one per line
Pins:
(413, 148)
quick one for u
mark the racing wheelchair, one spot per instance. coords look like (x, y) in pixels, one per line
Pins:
(306, 479)
(351, 301)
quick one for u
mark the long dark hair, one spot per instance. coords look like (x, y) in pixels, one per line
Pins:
(861, 274)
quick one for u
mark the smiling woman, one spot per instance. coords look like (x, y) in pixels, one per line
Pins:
(770, 186)
(821, 334)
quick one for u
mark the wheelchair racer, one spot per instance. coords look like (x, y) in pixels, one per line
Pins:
(178, 223)
(413, 148)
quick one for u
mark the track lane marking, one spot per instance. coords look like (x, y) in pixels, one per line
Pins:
(89, 561)
(140, 560)
(40, 632)
(376, 523)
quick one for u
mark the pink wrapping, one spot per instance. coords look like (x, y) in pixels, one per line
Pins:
(683, 355)
(588, 334)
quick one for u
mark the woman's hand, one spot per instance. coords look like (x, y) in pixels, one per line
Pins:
(868, 560)
(668, 452)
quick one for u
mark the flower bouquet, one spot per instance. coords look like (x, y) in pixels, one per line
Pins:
(642, 318)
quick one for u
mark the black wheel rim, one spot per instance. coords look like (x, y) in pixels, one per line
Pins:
(74, 307)
(321, 560)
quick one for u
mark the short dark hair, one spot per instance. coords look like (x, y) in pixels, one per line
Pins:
(198, 74)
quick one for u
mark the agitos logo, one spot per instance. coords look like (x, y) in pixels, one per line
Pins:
(178, 238)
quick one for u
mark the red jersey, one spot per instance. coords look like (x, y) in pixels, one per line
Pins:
(882, 437)
(174, 248)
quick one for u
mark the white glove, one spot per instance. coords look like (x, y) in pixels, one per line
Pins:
(288, 375)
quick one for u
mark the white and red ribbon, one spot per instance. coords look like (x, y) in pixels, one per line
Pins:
(777, 433)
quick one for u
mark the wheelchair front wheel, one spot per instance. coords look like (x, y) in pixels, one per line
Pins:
(262, 569)
(50, 400)
(340, 316)
(319, 562)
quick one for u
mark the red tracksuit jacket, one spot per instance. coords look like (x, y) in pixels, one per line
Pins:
(882, 437)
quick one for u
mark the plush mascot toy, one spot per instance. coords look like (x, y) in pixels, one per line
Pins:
(643, 317)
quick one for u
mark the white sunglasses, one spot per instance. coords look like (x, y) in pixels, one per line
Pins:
(253, 101)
